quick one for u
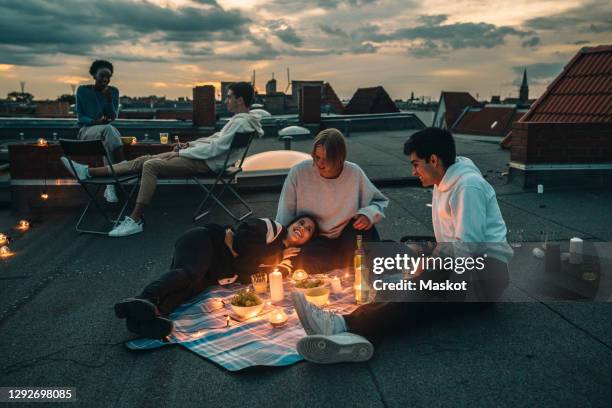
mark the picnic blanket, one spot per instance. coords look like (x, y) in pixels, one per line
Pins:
(202, 327)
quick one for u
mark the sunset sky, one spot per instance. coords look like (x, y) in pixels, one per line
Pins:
(166, 47)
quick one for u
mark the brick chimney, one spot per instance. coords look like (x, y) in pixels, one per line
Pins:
(204, 106)
(310, 104)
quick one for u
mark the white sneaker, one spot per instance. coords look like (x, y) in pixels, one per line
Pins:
(337, 348)
(126, 227)
(82, 170)
(315, 320)
(109, 194)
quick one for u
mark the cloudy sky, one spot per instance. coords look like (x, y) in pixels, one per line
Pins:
(165, 47)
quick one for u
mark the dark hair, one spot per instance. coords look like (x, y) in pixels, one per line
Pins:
(432, 141)
(311, 217)
(243, 90)
(97, 64)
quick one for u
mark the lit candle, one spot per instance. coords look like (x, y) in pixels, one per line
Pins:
(41, 142)
(227, 321)
(276, 286)
(3, 239)
(336, 285)
(5, 252)
(134, 141)
(278, 318)
(44, 196)
(23, 225)
(299, 275)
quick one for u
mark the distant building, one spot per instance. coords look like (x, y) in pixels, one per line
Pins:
(370, 100)
(566, 136)
(524, 90)
(296, 85)
(488, 120)
(330, 103)
(450, 107)
(271, 87)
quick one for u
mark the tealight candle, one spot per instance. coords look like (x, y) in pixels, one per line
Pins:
(277, 293)
(278, 318)
(44, 196)
(41, 142)
(299, 275)
(336, 285)
(5, 252)
(134, 141)
(23, 225)
(3, 239)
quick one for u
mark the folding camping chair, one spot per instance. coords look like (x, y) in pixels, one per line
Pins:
(93, 185)
(224, 178)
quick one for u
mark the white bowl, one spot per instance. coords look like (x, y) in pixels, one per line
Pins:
(247, 311)
(317, 296)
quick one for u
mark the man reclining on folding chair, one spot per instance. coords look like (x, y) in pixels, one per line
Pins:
(198, 156)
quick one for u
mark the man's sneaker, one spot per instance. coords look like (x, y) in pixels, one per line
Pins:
(137, 309)
(109, 194)
(82, 170)
(337, 348)
(315, 320)
(126, 227)
(156, 328)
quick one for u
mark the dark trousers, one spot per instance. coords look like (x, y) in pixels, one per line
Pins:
(375, 320)
(190, 273)
(323, 254)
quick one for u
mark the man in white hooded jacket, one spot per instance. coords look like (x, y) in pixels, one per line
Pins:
(467, 221)
(198, 156)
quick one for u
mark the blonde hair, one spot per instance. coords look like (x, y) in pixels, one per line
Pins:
(332, 140)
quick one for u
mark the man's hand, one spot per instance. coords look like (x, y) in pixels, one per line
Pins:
(362, 223)
(179, 146)
(290, 252)
(107, 93)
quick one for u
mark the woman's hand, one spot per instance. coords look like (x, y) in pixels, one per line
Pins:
(180, 146)
(362, 223)
(229, 241)
(290, 252)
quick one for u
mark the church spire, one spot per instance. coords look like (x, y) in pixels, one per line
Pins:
(524, 90)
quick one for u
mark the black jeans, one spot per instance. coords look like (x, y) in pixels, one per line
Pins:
(192, 270)
(374, 320)
(323, 254)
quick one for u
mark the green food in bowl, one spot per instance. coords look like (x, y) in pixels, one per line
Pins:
(309, 283)
(246, 298)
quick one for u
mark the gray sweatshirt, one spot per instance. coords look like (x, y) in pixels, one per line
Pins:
(214, 148)
(333, 202)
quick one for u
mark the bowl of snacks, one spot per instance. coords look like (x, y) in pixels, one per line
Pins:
(246, 304)
(309, 283)
(128, 140)
(317, 296)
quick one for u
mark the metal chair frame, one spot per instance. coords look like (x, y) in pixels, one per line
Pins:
(96, 148)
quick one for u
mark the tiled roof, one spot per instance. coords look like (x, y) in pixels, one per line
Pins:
(329, 97)
(455, 103)
(489, 121)
(370, 100)
(581, 93)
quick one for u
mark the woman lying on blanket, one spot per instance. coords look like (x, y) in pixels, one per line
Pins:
(211, 255)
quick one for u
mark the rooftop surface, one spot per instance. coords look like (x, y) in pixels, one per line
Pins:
(57, 327)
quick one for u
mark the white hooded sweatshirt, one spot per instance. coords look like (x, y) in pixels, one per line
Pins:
(214, 148)
(464, 209)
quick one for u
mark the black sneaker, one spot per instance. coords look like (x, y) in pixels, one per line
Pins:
(156, 328)
(137, 309)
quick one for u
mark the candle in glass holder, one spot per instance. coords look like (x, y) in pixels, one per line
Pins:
(3, 239)
(299, 275)
(23, 225)
(276, 286)
(42, 142)
(278, 318)
(336, 285)
(163, 138)
(5, 252)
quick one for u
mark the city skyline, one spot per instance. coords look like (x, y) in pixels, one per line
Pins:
(167, 47)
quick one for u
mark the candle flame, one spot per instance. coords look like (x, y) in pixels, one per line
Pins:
(3, 239)
(23, 225)
(44, 196)
(5, 252)
(42, 142)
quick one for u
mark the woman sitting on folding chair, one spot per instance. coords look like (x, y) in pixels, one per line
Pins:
(211, 255)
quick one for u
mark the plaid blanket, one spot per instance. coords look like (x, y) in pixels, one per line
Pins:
(202, 327)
